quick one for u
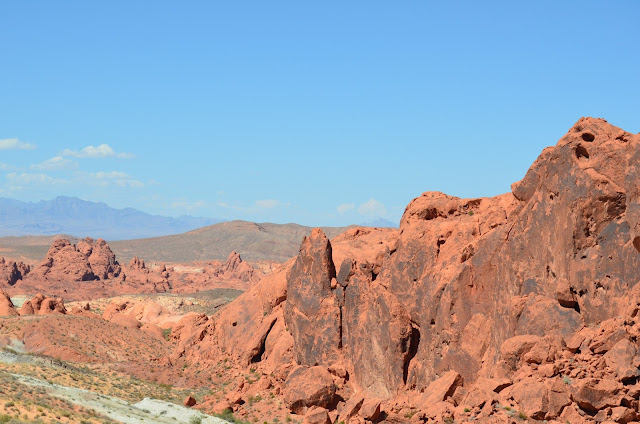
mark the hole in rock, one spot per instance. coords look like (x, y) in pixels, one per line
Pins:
(636, 243)
(570, 304)
(588, 137)
(550, 272)
(414, 341)
(439, 243)
(262, 348)
(581, 152)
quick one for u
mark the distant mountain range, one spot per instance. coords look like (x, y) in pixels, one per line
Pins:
(81, 218)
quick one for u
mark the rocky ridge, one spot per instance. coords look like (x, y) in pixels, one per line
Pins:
(523, 305)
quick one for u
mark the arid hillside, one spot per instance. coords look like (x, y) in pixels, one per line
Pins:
(255, 242)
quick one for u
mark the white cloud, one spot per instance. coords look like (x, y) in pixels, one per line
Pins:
(108, 178)
(104, 175)
(55, 163)
(6, 167)
(14, 143)
(257, 207)
(372, 208)
(18, 181)
(186, 205)
(96, 152)
(267, 203)
(346, 207)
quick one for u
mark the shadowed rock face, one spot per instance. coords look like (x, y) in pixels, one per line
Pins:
(100, 257)
(11, 272)
(524, 285)
(312, 311)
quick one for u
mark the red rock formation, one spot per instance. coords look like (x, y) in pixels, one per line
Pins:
(66, 265)
(312, 310)
(309, 386)
(527, 300)
(100, 257)
(11, 272)
(139, 276)
(189, 401)
(6, 306)
(234, 273)
(89, 260)
(236, 268)
(42, 305)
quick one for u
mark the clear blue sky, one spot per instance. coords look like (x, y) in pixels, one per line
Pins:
(321, 113)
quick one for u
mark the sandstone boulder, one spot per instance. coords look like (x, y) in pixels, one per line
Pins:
(622, 358)
(189, 401)
(309, 386)
(443, 388)
(593, 395)
(540, 399)
(370, 409)
(316, 415)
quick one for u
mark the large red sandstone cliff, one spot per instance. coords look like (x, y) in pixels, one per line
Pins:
(526, 301)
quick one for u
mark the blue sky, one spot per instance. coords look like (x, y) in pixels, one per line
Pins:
(325, 113)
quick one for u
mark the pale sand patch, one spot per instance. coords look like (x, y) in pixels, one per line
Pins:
(143, 412)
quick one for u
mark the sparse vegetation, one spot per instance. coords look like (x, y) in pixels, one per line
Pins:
(227, 415)
(410, 414)
(166, 332)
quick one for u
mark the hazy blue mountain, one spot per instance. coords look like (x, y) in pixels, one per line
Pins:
(81, 218)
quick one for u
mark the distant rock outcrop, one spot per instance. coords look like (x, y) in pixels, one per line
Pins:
(67, 268)
(43, 305)
(102, 260)
(139, 275)
(11, 272)
(88, 260)
(6, 306)
(236, 268)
